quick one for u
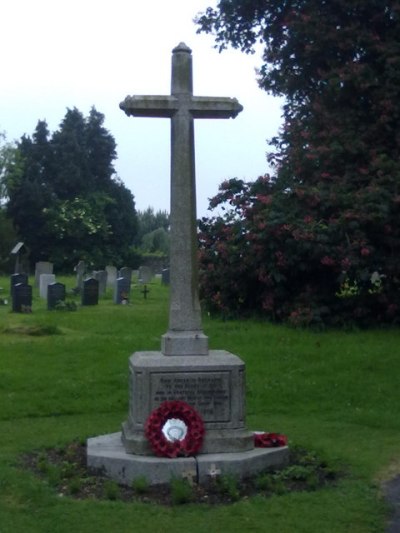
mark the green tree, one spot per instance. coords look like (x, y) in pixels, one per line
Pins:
(153, 231)
(8, 236)
(64, 197)
(8, 239)
(329, 218)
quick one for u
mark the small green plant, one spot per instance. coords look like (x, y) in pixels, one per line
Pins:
(75, 485)
(228, 484)
(66, 305)
(140, 485)
(42, 463)
(53, 475)
(296, 472)
(68, 470)
(181, 491)
(111, 490)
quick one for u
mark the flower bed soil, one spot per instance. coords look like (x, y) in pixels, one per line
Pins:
(66, 471)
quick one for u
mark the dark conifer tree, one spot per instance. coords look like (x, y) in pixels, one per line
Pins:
(64, 197)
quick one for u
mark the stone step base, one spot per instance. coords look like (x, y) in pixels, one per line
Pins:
(107, 454)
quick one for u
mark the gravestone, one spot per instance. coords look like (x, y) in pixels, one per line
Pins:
(55, 294)
(18, 250)
(165, 276)
(22, 298)
(126, 272)
(211, 381)
(42, 267)
(80, 270)
(101, 276)
(145, 274)
(111, 275)
(90, 292)
(122, 291)
(45, 280)
(17, 278)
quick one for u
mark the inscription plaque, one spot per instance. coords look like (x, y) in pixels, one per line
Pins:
(207, 392)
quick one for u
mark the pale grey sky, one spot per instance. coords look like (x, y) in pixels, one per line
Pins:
(58, 55)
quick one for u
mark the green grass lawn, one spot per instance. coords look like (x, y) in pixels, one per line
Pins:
(336, 393)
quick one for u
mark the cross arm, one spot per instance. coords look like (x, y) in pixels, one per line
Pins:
(215, 107)
(150, 106)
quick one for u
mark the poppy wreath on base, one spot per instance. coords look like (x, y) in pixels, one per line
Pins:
(174, 411)
(269, 440)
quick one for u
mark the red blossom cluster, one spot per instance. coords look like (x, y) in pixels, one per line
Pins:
(175, 409)
(329, 216)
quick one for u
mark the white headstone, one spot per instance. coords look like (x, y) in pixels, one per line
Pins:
(111, 275)
(42, 267)
(44, 282)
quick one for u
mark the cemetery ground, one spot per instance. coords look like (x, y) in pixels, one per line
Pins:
(64, 378)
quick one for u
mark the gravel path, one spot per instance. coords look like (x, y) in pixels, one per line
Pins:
(392, 494)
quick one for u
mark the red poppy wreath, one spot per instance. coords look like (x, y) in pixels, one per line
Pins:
(269, 440)
(174, 429)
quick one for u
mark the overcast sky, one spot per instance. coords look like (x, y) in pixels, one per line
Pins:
(82, 53)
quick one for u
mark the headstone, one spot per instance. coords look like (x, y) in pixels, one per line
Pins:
(80, 270)
(17, 251)
(145, 274)
(55, 294)
(111, 275)
(45, 280)
(122, 291)
(17, 278)
(22, 298)
(42, 267)
(101, 276)
(213, 382)
(126, 272)
(90, 292)
(165, 276)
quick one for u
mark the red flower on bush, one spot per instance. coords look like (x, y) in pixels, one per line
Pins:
(190, 444)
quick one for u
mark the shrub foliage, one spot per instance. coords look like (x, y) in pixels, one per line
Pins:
(320, 239)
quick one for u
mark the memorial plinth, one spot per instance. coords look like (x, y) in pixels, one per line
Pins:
(214, 385)
(211, 382)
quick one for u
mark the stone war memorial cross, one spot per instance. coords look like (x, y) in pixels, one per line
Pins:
(185, 336)
(212, 382)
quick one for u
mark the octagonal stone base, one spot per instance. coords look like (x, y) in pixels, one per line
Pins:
(107, 454)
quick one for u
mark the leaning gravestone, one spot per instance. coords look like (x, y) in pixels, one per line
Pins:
(45, 280)
(165, 276)
(90, 292)
(111, 275)
(55, 295)
(17, 252)
(22, 298)
(145, 274)
(122, 291)
(212, 382)
(80, 270)
(15, 279)
(101, 276)
(42, 267)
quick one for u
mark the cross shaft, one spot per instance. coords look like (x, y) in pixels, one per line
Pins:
(185, 335)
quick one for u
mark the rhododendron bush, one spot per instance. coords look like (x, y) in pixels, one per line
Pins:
(318, 241)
